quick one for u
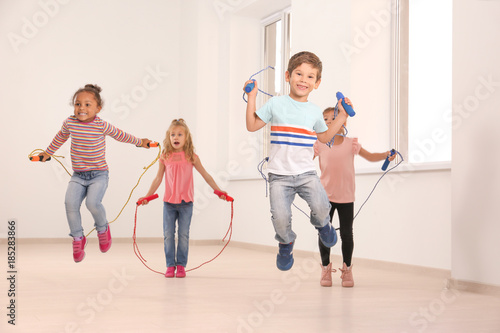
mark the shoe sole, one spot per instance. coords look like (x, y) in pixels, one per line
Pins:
(335, 238)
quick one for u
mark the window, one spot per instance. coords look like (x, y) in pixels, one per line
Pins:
(276, 54)
(422, 80)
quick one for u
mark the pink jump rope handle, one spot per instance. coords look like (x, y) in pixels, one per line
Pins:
(220, 194)
(151, 197)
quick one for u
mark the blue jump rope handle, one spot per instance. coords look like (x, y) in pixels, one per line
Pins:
(249, 87)
(347, 107)
(386, 162)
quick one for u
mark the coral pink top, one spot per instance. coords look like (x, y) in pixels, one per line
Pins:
(337, 169)
(178, 179)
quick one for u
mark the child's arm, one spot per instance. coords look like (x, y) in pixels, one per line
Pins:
(122, 136)
(210, 181)
(254, 123)
(155, 184)
(375, 157)
(334, 127)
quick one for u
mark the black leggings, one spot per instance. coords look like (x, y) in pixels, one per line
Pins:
(346, 214)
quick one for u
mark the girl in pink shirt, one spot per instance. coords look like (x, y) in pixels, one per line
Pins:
(176, 166)
(337, 177)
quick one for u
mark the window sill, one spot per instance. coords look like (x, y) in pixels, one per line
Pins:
(407, 167)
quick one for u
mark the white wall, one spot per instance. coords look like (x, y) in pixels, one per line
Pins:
(208, 52)
(475, 176)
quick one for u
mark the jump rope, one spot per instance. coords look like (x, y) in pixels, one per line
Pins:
(350, 111)
(37, 158)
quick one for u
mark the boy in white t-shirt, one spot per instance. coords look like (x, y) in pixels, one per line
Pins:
(295, 126)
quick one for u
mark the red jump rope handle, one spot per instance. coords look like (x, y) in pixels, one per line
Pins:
(152, 144)
(38, 158)
(220, 194)
(151, 197)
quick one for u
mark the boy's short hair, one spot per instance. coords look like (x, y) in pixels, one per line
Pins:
(305, 57)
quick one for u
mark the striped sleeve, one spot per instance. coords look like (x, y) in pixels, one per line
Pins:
(119, 135)
(60, 138)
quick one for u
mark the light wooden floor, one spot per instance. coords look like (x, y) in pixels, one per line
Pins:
(241, 291)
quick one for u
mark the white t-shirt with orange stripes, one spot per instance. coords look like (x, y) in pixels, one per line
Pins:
(293, 132)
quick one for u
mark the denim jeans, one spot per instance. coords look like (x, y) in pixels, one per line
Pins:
(282, 190)
(91, 185)
(181, 213)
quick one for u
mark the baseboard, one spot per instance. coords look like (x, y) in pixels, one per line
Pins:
(474, 287)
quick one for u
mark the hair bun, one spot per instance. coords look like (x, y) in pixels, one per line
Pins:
(94, 86)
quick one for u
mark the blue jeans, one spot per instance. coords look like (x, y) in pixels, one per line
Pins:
(181, 213)
(282, 190)
(92, 185)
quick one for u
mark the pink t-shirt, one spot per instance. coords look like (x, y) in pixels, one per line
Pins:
(337, 169)
(178, 179)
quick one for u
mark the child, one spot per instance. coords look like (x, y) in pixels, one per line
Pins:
(90, 178)
(337, 176)
(176, 165)
(295, 125)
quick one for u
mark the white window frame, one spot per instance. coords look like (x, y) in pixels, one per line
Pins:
(285, 17)
(399, 88)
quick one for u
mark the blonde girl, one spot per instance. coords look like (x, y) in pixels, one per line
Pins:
(176, 167)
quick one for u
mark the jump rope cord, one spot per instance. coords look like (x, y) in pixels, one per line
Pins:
(131, 192)
(261, 164)
(143, 260)
(268, 67)
(54, 156)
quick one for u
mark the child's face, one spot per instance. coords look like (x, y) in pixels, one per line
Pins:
(303, 80)
(177, 138)
(329, 117)
(86, 107)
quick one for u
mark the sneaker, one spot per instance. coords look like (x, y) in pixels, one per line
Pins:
(170, 273)
(328, 235)
(326, 275)
(347, 280)
(104, 240)
(181, 271)
(284, 259)
(79, 249)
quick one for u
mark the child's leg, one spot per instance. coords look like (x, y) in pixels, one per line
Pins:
(75, 194)
(185, 213)
(323, 250)
(170, 215)
(281, 195)
(310, 189)
(97, 186)
(346, 213)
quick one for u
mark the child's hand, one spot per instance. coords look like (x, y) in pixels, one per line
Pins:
(341, 107)
(254, 90)
(391, 158)
(143, 201)
(144, 143)
(223, 196)
(43, 157)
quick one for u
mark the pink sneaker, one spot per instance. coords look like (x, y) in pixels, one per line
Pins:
(347, 280)
(170, 273)
(79, 249)
(104, 240)
(181, 271)
(326, 275)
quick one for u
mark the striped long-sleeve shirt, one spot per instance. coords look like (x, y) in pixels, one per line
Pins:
(88, 143)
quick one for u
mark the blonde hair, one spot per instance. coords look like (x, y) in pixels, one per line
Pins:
(188, 146)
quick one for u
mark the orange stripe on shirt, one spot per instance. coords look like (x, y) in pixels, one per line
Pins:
(292, 129)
